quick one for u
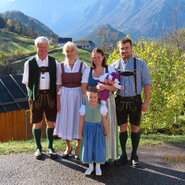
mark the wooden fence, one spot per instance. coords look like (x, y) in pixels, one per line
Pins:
(15, 126)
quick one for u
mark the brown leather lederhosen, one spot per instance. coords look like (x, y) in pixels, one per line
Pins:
(71, 80)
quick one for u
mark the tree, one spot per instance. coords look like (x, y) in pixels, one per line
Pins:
(9, 22)
(2, 22)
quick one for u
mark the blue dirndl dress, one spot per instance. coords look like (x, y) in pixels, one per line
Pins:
(94, 146)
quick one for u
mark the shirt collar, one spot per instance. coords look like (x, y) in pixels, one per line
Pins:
(124, 62)
(42, 62)
(68, 66)
(38, 59)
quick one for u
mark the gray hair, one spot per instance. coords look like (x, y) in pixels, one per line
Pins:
(41, 39)
(70, 45)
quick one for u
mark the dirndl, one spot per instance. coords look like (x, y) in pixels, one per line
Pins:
(94, 147)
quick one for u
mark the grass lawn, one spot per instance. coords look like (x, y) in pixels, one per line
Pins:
(29, 146)
(11, 42)
(83, 55)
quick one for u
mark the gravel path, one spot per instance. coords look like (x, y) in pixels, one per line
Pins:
(160, 165)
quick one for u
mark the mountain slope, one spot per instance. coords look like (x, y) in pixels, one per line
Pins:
(105, 35)
(28, 22)
(148, 18)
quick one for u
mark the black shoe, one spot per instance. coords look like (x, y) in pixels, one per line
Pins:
(52, 153)
(38, 154)
(65, 155)
(121, 160)
(135, 161)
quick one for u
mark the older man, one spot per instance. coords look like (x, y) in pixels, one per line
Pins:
(40, 77)
(135, 77)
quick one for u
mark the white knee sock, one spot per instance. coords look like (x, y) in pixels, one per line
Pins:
(91, 166)
(98, 169)
(97, 166)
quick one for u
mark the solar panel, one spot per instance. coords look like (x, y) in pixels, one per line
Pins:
(13, 94)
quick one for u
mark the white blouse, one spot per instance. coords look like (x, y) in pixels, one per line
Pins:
(68, 69)
(103, 110)
(85, 76)
(44, 78)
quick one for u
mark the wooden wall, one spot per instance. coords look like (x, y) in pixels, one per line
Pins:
(16, 125)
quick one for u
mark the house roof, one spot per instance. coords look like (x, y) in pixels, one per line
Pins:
(13, 94)
(64, 39)
(82, 42)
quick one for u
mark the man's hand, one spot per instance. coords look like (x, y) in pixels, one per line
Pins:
(145, 106)
(30, 102)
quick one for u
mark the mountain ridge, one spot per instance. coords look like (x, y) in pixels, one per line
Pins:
(17, 16)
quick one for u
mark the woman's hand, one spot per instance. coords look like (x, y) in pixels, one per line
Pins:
(81, 137)
(100, 86)
(106, 137)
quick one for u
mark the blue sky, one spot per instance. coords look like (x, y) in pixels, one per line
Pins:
(48, 12)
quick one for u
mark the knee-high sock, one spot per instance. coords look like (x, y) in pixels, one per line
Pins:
(49, 134)
(123, 140)
(37, 137)
(135, 137)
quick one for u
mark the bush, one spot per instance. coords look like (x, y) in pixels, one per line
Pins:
(168, 92)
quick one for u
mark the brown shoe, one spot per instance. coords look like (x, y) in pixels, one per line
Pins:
(77, 154)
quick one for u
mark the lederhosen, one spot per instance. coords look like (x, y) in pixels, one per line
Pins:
(71, 80)
(128, 106)
(45, 100)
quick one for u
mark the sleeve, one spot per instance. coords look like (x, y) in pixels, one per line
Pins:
(111, 69)
(103, 110)
(25, 73)
(59, 91)
(84, 67)
(116, 85)
(82, 110)
(145, 75)
(85, 76)
(59, 72)
(115, 65)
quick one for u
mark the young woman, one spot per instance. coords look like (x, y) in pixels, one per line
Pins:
(90, 78)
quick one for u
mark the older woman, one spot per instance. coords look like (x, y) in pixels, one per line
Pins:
(70, 99)
(91, 78)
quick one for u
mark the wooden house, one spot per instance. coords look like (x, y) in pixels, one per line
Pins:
(14, 109)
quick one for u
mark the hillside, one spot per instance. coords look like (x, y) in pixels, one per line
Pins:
(175, 40)
(12, 43)
(23, 24)
(104, 35)
(17, 67)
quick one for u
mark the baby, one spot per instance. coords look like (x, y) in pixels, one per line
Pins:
(108, 79)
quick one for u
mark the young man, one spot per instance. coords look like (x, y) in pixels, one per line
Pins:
(135, 77)
(40, 77)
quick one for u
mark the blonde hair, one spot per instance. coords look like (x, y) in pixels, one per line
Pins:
(70, 45)
(41, 39)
